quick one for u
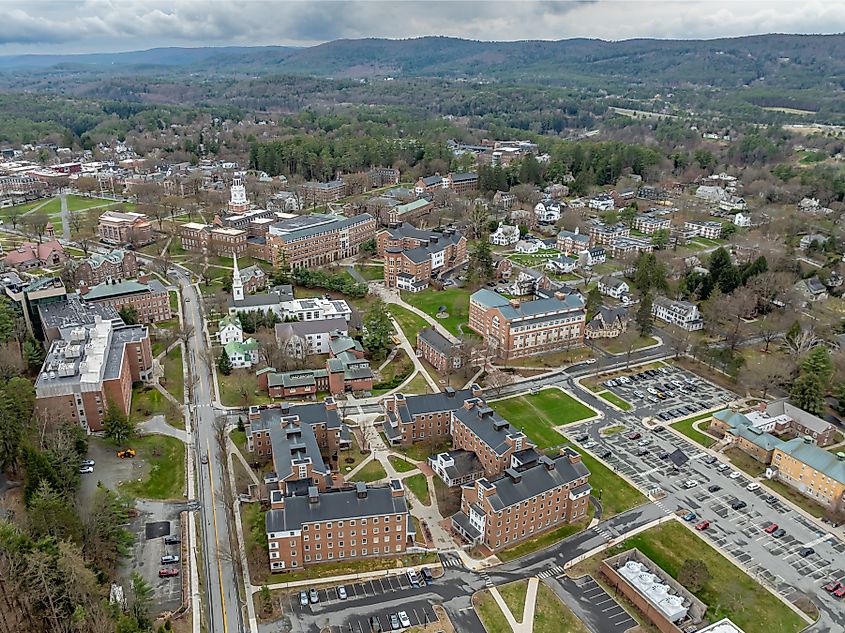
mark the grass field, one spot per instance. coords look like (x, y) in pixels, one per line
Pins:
(409, 322)
(729, 592)
(166, 459)
(400, 464)
(240, 389)
(419, 486)
(490, 614)
(614, 493)
(514, 594)
(148, 401)
(456, 301)
(686, 428)
(417, 385)
(537, 414)
(545, 540)
(612, 398)
(816, 509)
(745, 462)
(614, 346)
(371, 273)
(373, 471)
(174, 380)
(550, 614)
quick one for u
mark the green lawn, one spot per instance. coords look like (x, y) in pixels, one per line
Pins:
(514, 594)
(80, 203)
(417, 385)
(409, 322)
(612, 398)
(784, 490)
(371, 273)
(490, 614)
(537, 414)
(148, 401)
(174, 380)
(174, 301)
(545, 540)
(373, 471)
(614, 345)
(400, 464)
(166, 459)
(349, 459)
(614, 493)
(328, 570)
(685, 427)
(421, 450)
(419, 486)
(456, 301)
(745, 462)
(552, 616)
(729, 592)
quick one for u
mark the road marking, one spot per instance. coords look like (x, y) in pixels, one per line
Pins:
(217, 541)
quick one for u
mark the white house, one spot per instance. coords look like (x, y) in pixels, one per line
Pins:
(681, 313)
(733, 204)
(242, 354)
(569, 242)
(711, 193)
(741, 220)
(316, 309)
(705, 228)
(528, 247)
(505, 235)
(593, 256)
(547, 212)
(229, 330)
(615, 287)
(562, 264)
(807, 240)
(602, 202)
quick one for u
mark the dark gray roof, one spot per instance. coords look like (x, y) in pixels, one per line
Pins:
(334, 506)
(466, 463)
(302, 328)
(489, 426)
(119, 338)
(534, 481)
(311, 413)
(292, 442)
(435, 339)
(72, 311)
(253, 301)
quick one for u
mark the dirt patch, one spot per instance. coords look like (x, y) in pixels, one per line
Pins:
(448, 500)
(109, 469)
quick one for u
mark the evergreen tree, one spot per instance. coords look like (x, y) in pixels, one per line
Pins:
(117, 426)
(224, 365)
(818, 362)
(529, 170)
(480, 269)
(128, 314)
(807, 393)
(644, 323)
(650, 274)
(33, 353)
(594, 302)
(377, 330)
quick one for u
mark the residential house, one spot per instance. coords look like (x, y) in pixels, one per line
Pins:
(602, 202)
(229, 330)
(253, 279)
(547, 212)
(681, 313)
(814, 238)
(31, 255)
(440, 352)
(569, 242)
(561, 265)
(741, 220)
(504, 200)
(409, 419)
(242, 354)
(607, 323)
(709, 229)
(650, 224)
(623, 246)
(812, 289)
(522, 504)
(732, 203)
(528, 246)
(615, 287)
(518, 329)
(592, 256)
(812, 206)
(304, 338)
(505, 235)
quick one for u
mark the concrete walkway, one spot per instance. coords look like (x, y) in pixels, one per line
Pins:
(405, 344)
(526, 625)
(390, 296)
(157, 425)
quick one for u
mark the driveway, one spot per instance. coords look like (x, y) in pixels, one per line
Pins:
(592, 604)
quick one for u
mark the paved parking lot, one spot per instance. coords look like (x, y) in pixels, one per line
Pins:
(738, 533)
(148, 549)
(663, 391)
(592, 604)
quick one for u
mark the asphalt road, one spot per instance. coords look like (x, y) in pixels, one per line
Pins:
(223, 612)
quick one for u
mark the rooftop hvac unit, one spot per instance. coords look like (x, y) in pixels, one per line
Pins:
(67, 369)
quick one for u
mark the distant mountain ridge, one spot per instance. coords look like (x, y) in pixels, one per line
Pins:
(796, 61)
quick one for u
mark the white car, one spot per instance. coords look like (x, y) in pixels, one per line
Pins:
(753, 486)
(734, 475)
(690, 483)
(590, 444)
(589, 361)
(87, 462)
(85, 470)
(624, 380)
(341, 592)
(639, 393)
(652, 391)
(404, 620)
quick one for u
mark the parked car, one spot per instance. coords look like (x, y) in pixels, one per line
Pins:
(425, 572)
(771, 528)
(737, 504)
(734, 474)
(85, 470)
(658, 429)
(172, 540)
(341, 592)
(804, 552)
(778, 533)
(753, 486)
(690, 483)
(840, 592)
(87, 462)
(832, 586)
(664, 455)
(639, 394)
(590, 444)
(703, 525)
(169, 559)
(375, 625)
(404, 620)
(770, 498)
(168, 573)
(722, 467)
(642, 451)
(605, 454)
(394, 622)
(690, 517)
(582, 438)
(714, 488)
(710, 459)
(303, 599)
(644, 442)
(413, 578)
(634, 436)
(313, 596)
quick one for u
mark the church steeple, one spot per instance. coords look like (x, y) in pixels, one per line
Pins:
(238, 202)
(237, 283)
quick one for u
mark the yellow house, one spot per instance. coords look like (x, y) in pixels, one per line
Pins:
(812, 471)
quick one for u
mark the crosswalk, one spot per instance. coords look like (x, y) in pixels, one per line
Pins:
(660, 505)
(557, 570)
(487, 581)
(452, 562)
(604, 532)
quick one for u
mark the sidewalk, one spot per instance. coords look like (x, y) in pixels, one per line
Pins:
(526, 624)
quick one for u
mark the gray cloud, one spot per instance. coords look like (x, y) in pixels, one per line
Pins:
(110, 25)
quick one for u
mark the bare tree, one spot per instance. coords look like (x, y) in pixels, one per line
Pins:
(740, 305)
(764, 373)
(771, 327)
(498, 380)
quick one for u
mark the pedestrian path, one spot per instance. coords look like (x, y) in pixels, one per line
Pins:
(526, 624)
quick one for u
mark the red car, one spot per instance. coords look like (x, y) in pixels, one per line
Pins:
(168, 573)
(832, 586)
(771, 528)
(703, 525)
(634, 436)
(840, 592)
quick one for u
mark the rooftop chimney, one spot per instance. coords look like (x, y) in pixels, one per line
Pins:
(514, 475)
(514, 303)
(560, 296)
(548, 463)
(313, 494)
(331, 404)
(361, 490)
(573, 455)
(396, 489)
(450, 392)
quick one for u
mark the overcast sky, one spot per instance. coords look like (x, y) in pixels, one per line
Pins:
(37, 26)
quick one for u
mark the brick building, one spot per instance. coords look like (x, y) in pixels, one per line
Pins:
(149, 298)
(359, 523)
(124, 227)
(318, 239)
(90, 367)
(97, 268)
(216, 240)
(812, 471)
(412, 256)
(320, 193)
(408, 419)
(521, 504)
(31, 255)
(517, 330)
(440, 352)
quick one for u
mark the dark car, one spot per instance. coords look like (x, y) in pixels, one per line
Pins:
(634, 436)
(394, 622)
(605, 454)
(737, 504)
(582, 438)
(375, 625)
(658, 429)
(427, 576)
(804, 552)
(770, 499)
(778, 533)
(642, 451)
(710, 459)
(172, 540)
(714, 488)
(664, 455)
